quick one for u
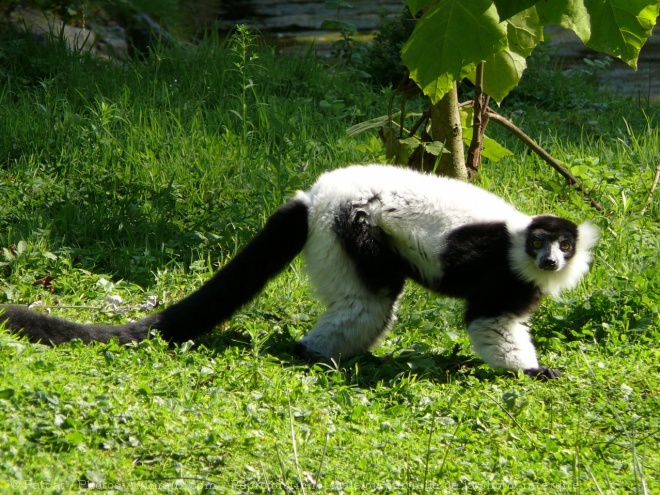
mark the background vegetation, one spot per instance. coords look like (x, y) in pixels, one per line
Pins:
(137, 181)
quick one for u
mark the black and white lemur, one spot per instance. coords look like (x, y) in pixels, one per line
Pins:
(364, 230)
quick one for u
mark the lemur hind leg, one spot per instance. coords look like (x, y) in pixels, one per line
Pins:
(504, 341)
(351, 325)
(359, 278)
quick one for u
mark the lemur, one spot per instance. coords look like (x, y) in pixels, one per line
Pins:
(363, 231)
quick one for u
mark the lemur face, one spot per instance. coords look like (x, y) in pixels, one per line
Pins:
(551, 242)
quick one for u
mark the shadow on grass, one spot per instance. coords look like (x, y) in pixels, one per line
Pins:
(365, 370)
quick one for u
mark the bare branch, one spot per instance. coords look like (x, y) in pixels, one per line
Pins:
(476, 144)
(536, 148)
(422, 120)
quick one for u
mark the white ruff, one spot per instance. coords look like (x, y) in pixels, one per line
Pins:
(554, 282)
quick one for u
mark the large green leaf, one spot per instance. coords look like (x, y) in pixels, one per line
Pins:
(454, 35)
(417, 5)
(617, 27)
(524, 31)
(449, 40)
(571, 14)
(508, 8)
(502, 73)
(621, 27)
(503, 70)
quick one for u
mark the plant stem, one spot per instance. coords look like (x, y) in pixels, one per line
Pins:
(479, 122)
(446, 127)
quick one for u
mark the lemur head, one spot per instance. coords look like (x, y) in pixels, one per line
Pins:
(550, 241)
(552, 252)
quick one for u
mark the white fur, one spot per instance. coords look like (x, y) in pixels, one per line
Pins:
(568, 275)
(503, 342)
(417, 212)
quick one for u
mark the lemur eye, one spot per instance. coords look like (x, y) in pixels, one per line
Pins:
(565, 246)
(536, 244)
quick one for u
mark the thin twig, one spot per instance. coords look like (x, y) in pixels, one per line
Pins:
(325, 450)
(428, 454)
(90, 308)
(422, 120)
(284, 482)
(536, 148)
(263, 471)
(652, 190)
(295, 450)
(476, 144)
(515, 421)
(593, 478)
(451, 440)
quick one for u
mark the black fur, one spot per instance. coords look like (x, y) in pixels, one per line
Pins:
(396, 234)
(476, 268)
(542, 373)
(549, 228)
(273, 248)
(379, 267)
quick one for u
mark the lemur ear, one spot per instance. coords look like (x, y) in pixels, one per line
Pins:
(588, 235)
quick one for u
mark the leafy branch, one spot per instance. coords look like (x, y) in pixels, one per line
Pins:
(536, 148)
(488, 42)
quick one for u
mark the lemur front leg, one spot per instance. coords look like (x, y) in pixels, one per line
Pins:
(504, 341)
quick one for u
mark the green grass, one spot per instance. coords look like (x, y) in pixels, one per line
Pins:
(139, 181)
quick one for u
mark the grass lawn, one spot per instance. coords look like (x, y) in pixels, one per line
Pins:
(125, 186)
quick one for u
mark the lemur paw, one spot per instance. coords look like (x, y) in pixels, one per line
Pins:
(310, 355)
(542, 373)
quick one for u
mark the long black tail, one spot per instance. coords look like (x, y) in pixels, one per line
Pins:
(271, 250)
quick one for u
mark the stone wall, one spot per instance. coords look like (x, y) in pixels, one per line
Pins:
(296, 15)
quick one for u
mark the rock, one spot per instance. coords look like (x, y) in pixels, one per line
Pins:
(49, 28)
(105, 39)
(112, 43)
